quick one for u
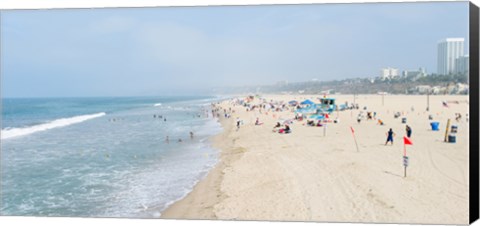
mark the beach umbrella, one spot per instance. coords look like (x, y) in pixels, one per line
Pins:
(307, 102)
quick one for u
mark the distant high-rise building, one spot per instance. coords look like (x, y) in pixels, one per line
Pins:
(461, 65)
(388, 73)
(448, 51)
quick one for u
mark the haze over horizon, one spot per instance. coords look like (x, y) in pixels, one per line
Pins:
(190, 50)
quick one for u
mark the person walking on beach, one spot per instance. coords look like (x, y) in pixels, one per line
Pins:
(390, 135)
(409, 131)
(238, 123)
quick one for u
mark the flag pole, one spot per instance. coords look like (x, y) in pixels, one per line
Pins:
(404, 155)
(354, 138)
(356, 144)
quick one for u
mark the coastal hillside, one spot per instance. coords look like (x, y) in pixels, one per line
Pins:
(412, 85)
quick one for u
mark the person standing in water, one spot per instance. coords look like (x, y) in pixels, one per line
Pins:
(191, 135)
(390, 135)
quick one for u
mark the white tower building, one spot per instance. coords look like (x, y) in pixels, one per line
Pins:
(388, 73)
(448, 51)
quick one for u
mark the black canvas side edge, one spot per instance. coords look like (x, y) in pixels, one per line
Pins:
(473, 111)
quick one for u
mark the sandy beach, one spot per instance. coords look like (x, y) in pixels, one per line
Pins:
(317, 174)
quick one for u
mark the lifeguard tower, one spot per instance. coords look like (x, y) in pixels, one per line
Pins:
(326, 105)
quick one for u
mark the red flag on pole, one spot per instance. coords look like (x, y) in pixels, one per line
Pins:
(407, 141)
(353, 131)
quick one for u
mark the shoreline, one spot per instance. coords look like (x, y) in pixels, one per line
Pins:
(199, 203)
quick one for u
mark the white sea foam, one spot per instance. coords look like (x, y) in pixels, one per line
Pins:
(15, 132)
(140, 187)
(157, 105)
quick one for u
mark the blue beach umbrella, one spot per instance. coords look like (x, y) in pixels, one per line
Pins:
(307, 102)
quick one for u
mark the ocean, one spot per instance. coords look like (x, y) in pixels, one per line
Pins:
(103, 157)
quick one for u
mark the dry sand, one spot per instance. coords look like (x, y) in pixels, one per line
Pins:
(306, 176)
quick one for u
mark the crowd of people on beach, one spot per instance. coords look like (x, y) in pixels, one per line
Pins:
(274, 108)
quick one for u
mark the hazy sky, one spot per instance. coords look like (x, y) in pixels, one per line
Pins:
(165, 51)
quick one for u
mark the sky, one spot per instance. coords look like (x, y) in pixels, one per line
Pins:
(192, 50)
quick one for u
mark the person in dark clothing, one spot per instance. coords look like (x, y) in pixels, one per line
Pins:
(238, 123)
(409, 131)
(285, 130)
(390, 135)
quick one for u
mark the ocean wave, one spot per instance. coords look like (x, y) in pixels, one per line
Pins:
(15, 132)
(173, 108)
(157, 105)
